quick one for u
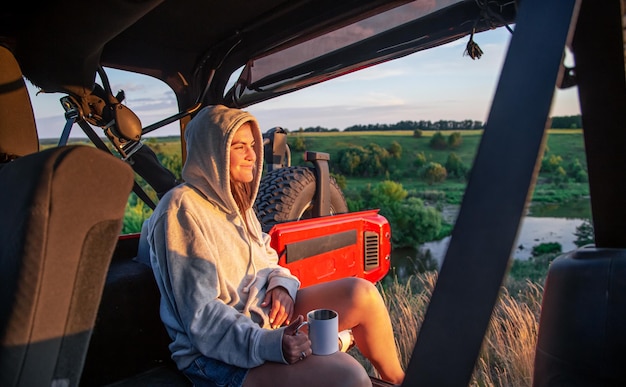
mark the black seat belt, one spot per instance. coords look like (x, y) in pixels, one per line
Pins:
(502, 178)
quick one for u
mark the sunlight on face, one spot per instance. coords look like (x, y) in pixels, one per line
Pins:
(242, 155)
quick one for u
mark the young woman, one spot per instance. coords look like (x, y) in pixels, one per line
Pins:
(228, 306)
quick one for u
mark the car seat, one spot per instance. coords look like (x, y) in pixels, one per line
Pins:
(62, 211)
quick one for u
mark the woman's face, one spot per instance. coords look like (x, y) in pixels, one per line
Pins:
(242, 155)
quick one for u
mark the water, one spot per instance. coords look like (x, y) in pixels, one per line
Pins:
(536, 228)
(534, 231)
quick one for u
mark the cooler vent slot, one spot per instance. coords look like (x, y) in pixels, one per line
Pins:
(371, 253)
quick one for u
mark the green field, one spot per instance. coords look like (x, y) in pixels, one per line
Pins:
(567, 144)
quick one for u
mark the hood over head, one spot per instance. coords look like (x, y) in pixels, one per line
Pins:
(207, 168)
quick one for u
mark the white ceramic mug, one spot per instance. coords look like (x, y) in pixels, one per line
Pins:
(323, 331)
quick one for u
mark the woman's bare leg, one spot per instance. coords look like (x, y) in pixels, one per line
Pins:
(336, 370)
(361, 308)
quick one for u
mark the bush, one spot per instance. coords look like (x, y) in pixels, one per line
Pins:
(135, 214)
(455, 166)
(173, 162)
(420, 160)
(388, 191)
(438, 141)
(551, 163)
(395, 150)
(559, 176)
(349, 160)
(417, 133)
(433, 172)
(455, 140)
(534, 269)
(577, 172)
(355, 203)
(584, 234)
(299, 145)
(369, 161)
(411, 222)
(341, 180)
(546, 248)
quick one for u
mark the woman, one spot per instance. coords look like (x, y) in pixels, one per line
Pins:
(229, 308)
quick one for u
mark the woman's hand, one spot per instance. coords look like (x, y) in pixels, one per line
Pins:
(296, 345)
(281, 310)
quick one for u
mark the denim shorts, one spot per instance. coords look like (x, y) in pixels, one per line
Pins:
(205, 372)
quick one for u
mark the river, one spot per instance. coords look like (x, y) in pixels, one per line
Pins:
(539, 226)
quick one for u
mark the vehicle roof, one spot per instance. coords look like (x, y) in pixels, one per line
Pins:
(60, 44)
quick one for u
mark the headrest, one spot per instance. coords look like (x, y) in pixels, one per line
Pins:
(18, 131)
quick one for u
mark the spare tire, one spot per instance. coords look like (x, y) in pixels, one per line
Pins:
(288, 193)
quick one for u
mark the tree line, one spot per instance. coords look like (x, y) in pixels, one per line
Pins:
(558, 122)
(567, 122)
(404, 125)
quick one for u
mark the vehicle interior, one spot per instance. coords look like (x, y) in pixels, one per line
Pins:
(77, 309)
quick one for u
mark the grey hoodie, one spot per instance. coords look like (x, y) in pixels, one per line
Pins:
(213, 268)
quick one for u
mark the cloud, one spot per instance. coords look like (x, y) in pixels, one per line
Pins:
(373, 73)
(343, 116)
(379, 99)
(153, 106)
(52, 127)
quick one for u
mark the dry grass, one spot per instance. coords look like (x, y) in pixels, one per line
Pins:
(508, 351)
(507, 355)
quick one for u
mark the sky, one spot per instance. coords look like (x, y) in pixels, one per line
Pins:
(437, 84)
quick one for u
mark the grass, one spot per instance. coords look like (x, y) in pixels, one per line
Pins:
(333, 142)
(507, 354)
(566, 143)
(549, 193)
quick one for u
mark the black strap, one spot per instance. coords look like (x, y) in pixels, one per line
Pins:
(146, 164)
(495, 199)
(97, 141)
(598, 44)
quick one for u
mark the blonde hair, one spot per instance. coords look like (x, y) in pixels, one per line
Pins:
(242, 193)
